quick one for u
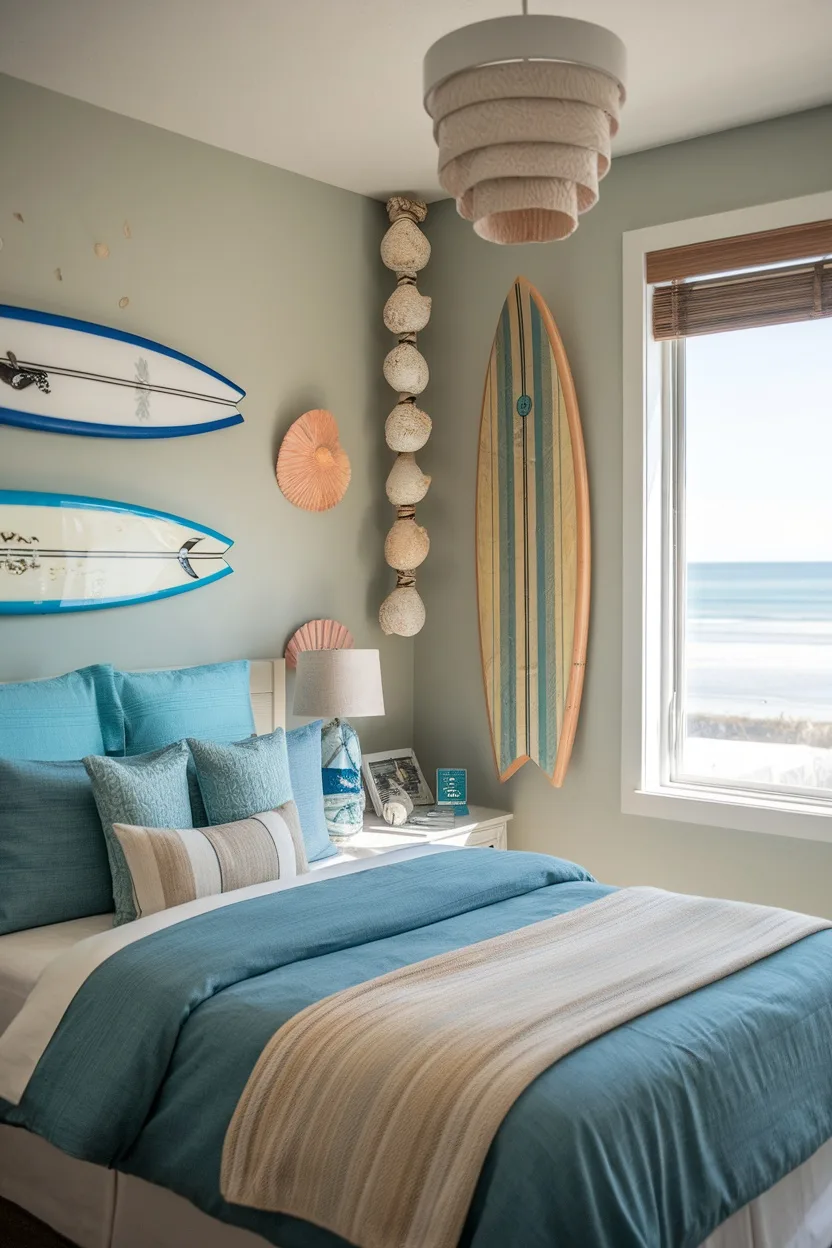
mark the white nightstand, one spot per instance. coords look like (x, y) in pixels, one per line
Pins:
(482, 827)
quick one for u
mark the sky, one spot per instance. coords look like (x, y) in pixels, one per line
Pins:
(759, 444)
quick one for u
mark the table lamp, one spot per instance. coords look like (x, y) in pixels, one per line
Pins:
(330, 685)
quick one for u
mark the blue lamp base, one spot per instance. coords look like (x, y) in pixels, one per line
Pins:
(341, 775)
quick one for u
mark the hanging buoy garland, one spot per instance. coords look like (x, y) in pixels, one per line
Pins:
(406, 251)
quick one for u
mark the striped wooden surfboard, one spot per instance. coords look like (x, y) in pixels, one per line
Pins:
(533, 561)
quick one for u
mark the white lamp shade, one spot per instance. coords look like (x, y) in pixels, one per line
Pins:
(338, 684)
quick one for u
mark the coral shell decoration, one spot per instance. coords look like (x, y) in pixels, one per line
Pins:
(317, 635)
(313, 469)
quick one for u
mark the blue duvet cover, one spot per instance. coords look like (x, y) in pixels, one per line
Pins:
(650, 1136)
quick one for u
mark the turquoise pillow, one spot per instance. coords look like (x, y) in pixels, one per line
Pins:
(212, 702)
(150, 790)
(53, 858)
(243, 779)
(304, 749)
(63, 718)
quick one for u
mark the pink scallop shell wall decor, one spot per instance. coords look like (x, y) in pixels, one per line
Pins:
(313, 469)
(317, 635)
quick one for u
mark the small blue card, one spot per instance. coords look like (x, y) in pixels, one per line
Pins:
(452, 788)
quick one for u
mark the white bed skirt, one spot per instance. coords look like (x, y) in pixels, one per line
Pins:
(98, 1208)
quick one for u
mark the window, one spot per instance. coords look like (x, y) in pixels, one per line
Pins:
(751, 620)
(728, 704)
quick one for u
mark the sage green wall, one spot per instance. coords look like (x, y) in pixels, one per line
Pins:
(581, 281)
(274, 280)
(270, 278)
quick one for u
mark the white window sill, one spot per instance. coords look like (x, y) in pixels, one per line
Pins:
(744, 812)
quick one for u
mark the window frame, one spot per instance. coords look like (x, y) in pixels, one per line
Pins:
(651, 537)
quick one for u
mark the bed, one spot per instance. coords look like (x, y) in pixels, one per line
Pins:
(148, 1198)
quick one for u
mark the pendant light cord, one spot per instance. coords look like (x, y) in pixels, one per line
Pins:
(524, 5)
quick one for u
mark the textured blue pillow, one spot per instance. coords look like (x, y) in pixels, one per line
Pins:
(212, 703)
(304, 749)
(151, 791)
(244, 779)
(53, 858)
(62, 718)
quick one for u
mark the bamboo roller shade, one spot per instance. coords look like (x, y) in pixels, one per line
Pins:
(802, 292)
(765, 296)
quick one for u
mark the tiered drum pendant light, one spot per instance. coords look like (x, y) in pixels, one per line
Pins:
(524, 110)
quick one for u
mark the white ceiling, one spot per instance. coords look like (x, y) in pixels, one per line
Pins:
(332, 88)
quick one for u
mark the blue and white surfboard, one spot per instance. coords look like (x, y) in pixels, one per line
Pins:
(63, 552)
(66, 376)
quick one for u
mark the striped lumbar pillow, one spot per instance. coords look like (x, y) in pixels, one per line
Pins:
(169, 866)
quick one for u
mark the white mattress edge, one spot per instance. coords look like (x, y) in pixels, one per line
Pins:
(27, 1036)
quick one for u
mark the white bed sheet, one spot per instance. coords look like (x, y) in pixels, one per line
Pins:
(25, 955)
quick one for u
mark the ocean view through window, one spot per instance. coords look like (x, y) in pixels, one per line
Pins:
(751, 601)
(726, 677)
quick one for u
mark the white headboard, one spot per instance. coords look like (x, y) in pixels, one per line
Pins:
(268, 694)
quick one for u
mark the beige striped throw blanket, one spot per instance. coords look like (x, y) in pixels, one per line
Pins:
(370, 1113)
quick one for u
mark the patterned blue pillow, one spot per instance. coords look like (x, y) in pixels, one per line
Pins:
(151, 791)
(304, 749)
(64, 718)
(237, 781)
(53, 858)
(212, 703)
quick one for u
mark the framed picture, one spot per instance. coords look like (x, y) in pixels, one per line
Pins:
(394, 767)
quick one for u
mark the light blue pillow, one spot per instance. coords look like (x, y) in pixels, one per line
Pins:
(53, 857)
(212, 703)
(150, 790)
(304, 749)
(244, 779)
(63, 718)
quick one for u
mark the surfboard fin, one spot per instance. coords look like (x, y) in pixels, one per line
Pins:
(184, 552)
